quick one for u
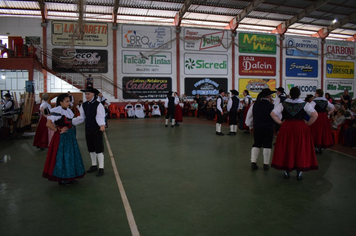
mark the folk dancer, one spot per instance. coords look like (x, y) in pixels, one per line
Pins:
(219, 112)
(232, 107)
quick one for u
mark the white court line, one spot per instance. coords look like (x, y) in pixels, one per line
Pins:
(125, 201)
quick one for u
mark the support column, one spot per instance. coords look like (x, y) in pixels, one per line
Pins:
(233, 35)
(114, 39)
(44, 56)
(178, 59)
(281, 38)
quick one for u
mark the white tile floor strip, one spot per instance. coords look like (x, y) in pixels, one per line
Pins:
(129, 215)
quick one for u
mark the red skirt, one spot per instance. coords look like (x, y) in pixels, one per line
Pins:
(51, 156)
(41, 136)
(294, 148)
(321, 131)
(178, 114)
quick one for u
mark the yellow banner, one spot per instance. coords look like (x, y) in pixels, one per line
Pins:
(255, 86)
(340, 69)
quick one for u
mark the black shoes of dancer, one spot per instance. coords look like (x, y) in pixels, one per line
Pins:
(219, 133)
(232, 133)
(286, 174)
(299, 175)
(65, 183)
(92, 169)
(100, 172)
(254, 166)
(265, 167)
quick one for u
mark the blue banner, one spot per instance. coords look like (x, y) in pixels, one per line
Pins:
(302, 47)
(301, 68)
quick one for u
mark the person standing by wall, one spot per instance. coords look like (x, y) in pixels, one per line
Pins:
(219, 111)
(93, 113)
(232, 107)
(42, 132)
(89, 82)
(346, 99)
(170, 103)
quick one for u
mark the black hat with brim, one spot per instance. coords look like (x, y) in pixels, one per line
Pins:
(90, 90)
(7, 95)
(280, 89)
(234, 92)
(266, 92)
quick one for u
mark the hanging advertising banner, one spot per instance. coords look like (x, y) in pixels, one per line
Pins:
(306, 86)
(301, 68)
(339, 49)
(340, 69)
(135, 63)
(205, 64)
(337, 88)
(146, 87)
(207, 40)
(70, 60)
(146, 37)
(67, 33)
(255, 86)
(257, 66)
(302, 47)
(204, 86)
(257, 43)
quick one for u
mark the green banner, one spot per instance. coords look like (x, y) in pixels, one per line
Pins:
(257, 43)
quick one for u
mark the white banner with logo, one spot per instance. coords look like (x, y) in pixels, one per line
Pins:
(205, 64)
(307, 47)
(336, 88)
(207, 40)
(134, 62)
(340, 49)
(146, 37)
(306, 86)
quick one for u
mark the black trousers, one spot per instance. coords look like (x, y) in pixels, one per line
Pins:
(170, 112)
(95, 142)
(233, 118)
(263, 137)
(219, 117)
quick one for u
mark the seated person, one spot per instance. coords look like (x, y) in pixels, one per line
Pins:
(147, 108)
(155, 110)
(186, 108)
(338, 119)
(139, 111)
(161, 107)
(130, 110)
(194, 107)
(350, 132)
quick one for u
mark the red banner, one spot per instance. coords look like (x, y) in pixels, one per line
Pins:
(257, 66)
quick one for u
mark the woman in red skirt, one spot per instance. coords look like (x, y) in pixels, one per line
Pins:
(294, 148)
(178, 114)
(43, 134)
(321, 128)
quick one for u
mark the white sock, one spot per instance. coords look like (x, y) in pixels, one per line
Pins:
(93, 158)
(217, 127)
(166, 121)
(235, 128)
(232, 128)
(101, 160)
(173, 121)
(254, 154)
(266, 155)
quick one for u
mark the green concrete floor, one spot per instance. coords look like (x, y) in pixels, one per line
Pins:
(179, 181)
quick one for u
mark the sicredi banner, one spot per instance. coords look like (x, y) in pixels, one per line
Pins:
(70, 60)
(306, 86)
(339, 49)
(204, 86)
(205, 64)
(336, 88)
(146, 87)
(257, 43)
(146, 37)
(340, 69)
(134, 62)
(301, 68)
(67, 33)
(255, 86)
(257, 66)
(207, 40)
(301, 47)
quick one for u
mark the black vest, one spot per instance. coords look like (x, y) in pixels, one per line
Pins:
(170, 102)
(235, 104)
(90, 109)
(282, 97)
(321, 105)
(11, 107)
(262, 114)
(293, 111)
(221, 103)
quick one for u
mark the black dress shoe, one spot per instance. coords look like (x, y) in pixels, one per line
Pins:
(63, 182)
(254, 166)
(100, 172)
(166, 126)
(231, 133)
(265, 167)
(286, 174)
(92, 169)
(299, 175)
(219, 133)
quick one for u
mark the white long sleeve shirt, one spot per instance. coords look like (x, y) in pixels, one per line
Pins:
(100, 115)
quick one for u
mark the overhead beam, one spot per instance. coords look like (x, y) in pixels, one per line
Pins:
(324, 32)
(114, 11)
(282, 28)
(179, 16)
(353, 38)
(234, 23)
(43, 8)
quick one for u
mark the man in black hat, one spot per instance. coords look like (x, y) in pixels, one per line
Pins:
(170, 104)
(232, 107)
(93, 112)
(281, 96)
(259, 118)
(219, 111)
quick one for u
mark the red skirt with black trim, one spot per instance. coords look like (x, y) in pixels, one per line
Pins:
(41, 136)
(294, 149)
(321, 131)
(178, 114)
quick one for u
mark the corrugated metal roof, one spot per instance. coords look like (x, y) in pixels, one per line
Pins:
(201, 13)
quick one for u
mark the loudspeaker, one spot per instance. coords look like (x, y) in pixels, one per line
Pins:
(29, 87)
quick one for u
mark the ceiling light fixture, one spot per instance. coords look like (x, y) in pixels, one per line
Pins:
(334, 21)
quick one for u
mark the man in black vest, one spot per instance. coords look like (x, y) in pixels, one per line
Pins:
(170, 103)
(219, 111)
(8, 104)
(93, 112)
(258, 118)
(232, 107)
